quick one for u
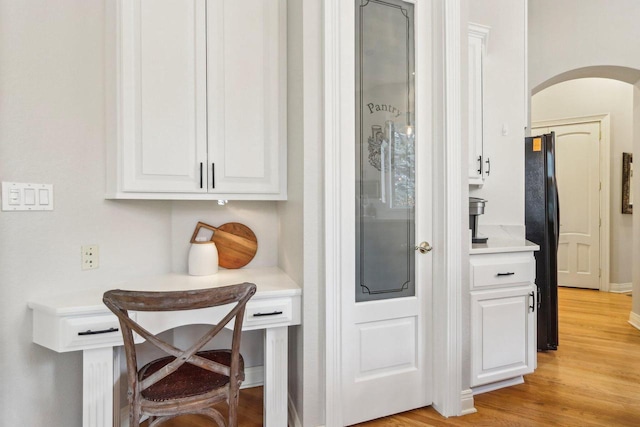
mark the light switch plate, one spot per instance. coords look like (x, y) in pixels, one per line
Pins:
(17, 196)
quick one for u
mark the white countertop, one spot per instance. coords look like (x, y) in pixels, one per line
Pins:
(498, 245)
(270, 282)
(503, 239)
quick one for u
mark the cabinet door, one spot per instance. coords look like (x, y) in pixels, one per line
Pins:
(247, 96)
(477, 163)
(502, 334)
(163, 95)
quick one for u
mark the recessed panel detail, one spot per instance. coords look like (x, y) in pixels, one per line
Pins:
(387, 346)
(584, 255)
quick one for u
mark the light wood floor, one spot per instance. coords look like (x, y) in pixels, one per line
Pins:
(593, 379)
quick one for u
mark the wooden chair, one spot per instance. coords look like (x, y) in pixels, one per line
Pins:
(187, 381)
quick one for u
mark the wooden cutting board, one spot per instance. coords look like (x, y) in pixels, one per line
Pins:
(236, 243)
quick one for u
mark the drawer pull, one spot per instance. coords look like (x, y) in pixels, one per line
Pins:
(505, 274)
(104, 331)
(273, 313)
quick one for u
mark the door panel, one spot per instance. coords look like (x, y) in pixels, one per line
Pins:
(386, 314)
(376, 354)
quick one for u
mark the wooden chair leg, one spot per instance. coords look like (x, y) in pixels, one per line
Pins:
(233, 407)
(134, 419)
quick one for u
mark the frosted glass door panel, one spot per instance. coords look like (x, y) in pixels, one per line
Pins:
(385, 152)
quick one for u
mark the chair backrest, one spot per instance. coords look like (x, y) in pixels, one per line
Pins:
(120, 302)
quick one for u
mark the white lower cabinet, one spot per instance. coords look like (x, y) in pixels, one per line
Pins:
(503, 317)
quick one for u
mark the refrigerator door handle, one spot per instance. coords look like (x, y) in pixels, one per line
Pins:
(538, 295)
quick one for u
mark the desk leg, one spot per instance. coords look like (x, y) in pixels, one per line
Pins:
(97, 387)
(275, 377)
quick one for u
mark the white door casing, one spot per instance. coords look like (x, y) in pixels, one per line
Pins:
(582, 158)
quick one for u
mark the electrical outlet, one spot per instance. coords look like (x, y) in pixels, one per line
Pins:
(90, 257)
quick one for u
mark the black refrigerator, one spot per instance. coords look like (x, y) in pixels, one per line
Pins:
(542, 221)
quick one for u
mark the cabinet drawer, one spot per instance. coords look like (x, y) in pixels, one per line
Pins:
(490, 271)
(268, 312)
(93, 331)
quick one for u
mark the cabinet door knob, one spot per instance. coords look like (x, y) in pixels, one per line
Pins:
(424, 247)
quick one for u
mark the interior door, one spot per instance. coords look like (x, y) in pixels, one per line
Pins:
(578, 175)
(386, 353)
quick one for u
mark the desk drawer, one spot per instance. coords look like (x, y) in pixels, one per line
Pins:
(83, 332)
(272, 311)
(488, 271)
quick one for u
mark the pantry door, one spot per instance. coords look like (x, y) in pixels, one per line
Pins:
(387, 271)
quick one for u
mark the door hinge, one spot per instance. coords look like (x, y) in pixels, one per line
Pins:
(599, 272)
(599, 222)
(600, 186)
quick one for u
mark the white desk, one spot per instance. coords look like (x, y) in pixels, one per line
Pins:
(60, 323)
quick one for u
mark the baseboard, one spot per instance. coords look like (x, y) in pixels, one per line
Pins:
(292, 419)
(498, 385)
(634, 320)
(253, 377)
(466, 402)
(124, 416)
(620, 288)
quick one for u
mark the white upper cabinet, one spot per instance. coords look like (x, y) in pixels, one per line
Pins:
(479, 166)
(200, 109)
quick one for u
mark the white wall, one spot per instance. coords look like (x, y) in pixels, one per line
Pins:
(599, 39)
(572, 34)
(260, 217)
(302, 216)
(504, 107)
(52, 131)
(587, 97)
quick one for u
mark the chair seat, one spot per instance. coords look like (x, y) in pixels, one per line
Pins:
(189, 380)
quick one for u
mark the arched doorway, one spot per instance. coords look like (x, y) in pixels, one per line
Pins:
(602, 89)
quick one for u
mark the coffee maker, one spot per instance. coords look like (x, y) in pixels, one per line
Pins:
(476, 208)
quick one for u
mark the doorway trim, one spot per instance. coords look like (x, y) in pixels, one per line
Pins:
(448, 396)
(605, 181)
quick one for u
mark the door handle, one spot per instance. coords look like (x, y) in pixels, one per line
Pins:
(424, 247)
